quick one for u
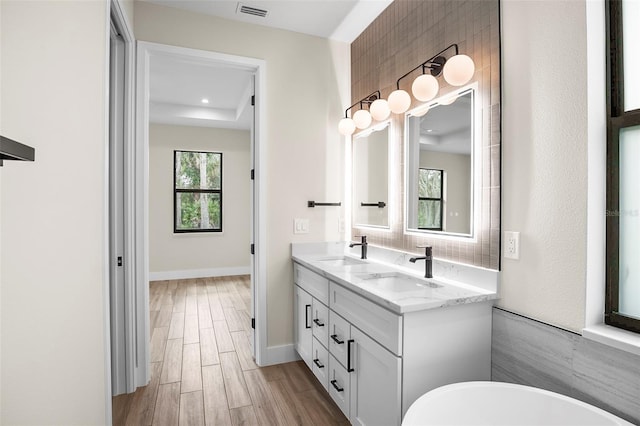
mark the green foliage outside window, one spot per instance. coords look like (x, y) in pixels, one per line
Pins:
(430, 199)
(198, 191)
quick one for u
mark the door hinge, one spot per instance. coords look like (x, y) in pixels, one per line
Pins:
(252, 249)
(253, 323)
(119, 260)
(253, 174)
(253, 100)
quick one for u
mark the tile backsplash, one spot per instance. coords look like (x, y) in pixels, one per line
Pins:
(406, 34)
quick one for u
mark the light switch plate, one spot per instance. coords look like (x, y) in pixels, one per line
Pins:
(511, 245)
(300, 226)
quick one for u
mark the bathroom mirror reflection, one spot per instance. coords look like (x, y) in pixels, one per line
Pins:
(371, 177)
(439, 144)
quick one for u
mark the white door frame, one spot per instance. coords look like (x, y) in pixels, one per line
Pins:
(146, 51)
(116, 14)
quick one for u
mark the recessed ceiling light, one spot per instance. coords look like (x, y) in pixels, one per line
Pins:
(429, 130)
(205, 101)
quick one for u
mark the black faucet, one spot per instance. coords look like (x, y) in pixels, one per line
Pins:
(363, 243)
(428, 261)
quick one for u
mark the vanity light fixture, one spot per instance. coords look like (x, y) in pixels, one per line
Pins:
(362, 118)
(205, 101)
(457, 71)
(448, 101)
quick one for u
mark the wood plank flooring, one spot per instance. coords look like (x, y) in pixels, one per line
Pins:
(202, 371)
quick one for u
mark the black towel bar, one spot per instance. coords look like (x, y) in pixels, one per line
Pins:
(379, 204)
(315, 203)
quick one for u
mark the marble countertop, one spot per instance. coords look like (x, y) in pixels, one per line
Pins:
(395, 288)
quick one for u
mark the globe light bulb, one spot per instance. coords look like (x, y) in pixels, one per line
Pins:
(379, 110)
(399, 101)
(346, 126)
(362, 119)
(425, 87)
(448, 101)
(421, 112)
(458, 70)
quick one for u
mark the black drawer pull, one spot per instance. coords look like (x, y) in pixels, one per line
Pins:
(334, 337)
(317, 362)
(318, 322)
(338, 388)
(349, 368)
(306, 316)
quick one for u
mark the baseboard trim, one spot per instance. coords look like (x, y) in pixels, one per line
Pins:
(198, 273)
(280, 355)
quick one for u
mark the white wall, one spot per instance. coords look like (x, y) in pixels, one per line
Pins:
(128, 8)
(216, 253)
(545, 159)
(53, 223)
(307, 85)
(0, 218)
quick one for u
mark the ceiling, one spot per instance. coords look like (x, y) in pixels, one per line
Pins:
(447, 128)
(341, 20)
(177, 88)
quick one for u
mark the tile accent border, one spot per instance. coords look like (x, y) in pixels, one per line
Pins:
(528, 352)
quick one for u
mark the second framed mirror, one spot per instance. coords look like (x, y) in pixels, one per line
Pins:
(440, 163)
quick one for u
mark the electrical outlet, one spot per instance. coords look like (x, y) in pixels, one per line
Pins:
(512, 245)
(300, 226)
(341, 225)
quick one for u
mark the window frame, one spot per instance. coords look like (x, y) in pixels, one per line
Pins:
(441, 200)
(617, 119)
(177, 190)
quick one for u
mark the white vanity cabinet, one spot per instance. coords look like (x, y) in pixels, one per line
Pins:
(376, 362)
(375, 383)
(311, 321)
(303, 333)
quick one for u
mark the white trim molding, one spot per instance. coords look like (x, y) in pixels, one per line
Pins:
(199, 273)
(115, 13)
(280, 354)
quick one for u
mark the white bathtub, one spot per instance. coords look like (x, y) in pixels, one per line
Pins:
(495, 403)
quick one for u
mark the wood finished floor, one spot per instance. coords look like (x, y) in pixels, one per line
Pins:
(202, 372)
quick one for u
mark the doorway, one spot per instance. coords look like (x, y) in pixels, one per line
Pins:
(147, 55)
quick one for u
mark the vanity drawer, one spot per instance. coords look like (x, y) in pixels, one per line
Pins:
(313, 283)
(381, 325)
(320, 322)
(339, 335)
(320, 363)
(339, 385)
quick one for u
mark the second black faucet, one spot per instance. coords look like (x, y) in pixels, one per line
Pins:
(363, 243)
(428, 261)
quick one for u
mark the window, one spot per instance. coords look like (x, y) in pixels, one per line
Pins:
(622, 302)
(197, 191)
(430, 202)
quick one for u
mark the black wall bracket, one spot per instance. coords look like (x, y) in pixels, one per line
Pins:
(12, 150)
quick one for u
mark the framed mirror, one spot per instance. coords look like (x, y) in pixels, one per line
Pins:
(370, 177)
(440, 147)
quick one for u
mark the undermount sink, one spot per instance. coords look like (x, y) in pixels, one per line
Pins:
(398, 282)
(340, 261)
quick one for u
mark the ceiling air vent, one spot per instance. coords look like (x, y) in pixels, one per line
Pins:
(242, 8)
